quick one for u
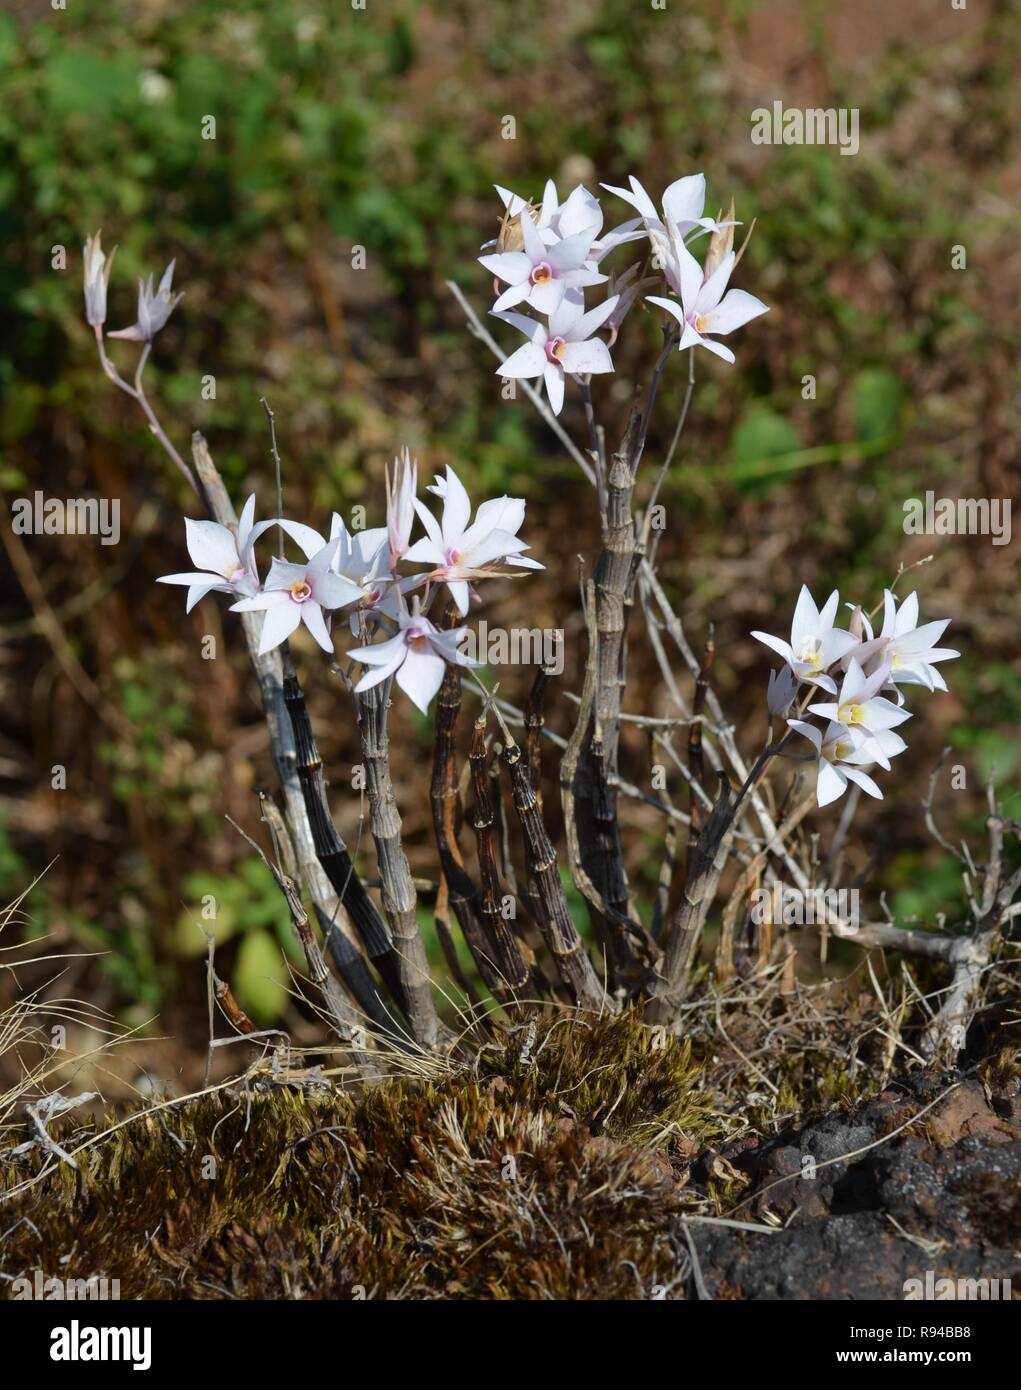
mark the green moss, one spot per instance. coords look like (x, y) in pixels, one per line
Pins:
(521, 1176)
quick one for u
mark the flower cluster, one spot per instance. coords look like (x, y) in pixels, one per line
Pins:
(855, 667)
(548, 255)
(359, 573)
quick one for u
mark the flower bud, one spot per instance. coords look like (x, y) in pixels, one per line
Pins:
(97, 277)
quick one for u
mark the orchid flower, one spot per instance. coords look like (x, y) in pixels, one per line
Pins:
(909, 650)
(97, 278)
(781, 690)
(461, 552)
(225, 562)
(540, 274)
(704, 307)
(153, 308)
(418, 656)
(815, 643)
(858, 706)
(839, 751)
(295, 594)
(563, 348)
(400, 505)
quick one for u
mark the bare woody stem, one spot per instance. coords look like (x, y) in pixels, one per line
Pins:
(552, 916)
(333, 855)
(331, 916)
(399, 898)
(510, 965)
(463, 894)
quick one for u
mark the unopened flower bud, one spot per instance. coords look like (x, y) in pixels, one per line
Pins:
(97, 277)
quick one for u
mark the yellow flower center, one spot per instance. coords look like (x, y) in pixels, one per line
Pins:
(300, 591)
(851, 713)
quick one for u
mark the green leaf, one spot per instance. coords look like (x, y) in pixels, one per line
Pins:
(760, 435)
(260, 978)
(877, 400)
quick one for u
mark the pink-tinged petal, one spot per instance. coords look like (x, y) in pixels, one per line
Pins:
(431, 525)
(334, 591)
(809, 731)
(554, 379)
(831, 784)
(516, 294)
(312, 617)
(684, 200)
(580, 213)
(310, 541)
(689, 338)
(252, 535)
(641, 201)
(528, 361)
(583, 279)
(420, 677)
(245, 522)
(457, 510)
(386, 654)
(376, 675)
(711, 292)
(671, 306)
(505, 513)
(864, 781)
(491, 546)
(907, 616)
(590, 356)
(533, 330)
(737, 308)
(591, 322)
(319, 565)
(921, 638)
(805, 623)
(570, 253)
(717, 349)
(460, 592)
(280, 621)
(689, 274)
(510, 266)
(884, 714)
(211, 547)
(194, 577)
(547, 298)
(825, 711)
(777, 644)
(283, 573)
(835, 645)
(269, 598)
(535, 247)
(427, 552)
(568, 312)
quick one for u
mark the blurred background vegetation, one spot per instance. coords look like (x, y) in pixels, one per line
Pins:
(383, 128)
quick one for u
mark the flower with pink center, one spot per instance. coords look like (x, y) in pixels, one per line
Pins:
(461, 553)
(295, 594)
(542, 272)
(225, 563)
(562, 348)
(417, 656)
(704, 307)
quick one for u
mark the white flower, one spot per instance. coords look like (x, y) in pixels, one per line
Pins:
(539, 274)
(154, 308)
(683, 205)
(461, 553)
(225, 564)
(97, 277)
(839, 751)
(418, 655)
(400, 505)
(704, 308)
(298, 594)
(780, 693)
(909, 650)
(858, 706)
(564, 347)
(815, 643)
